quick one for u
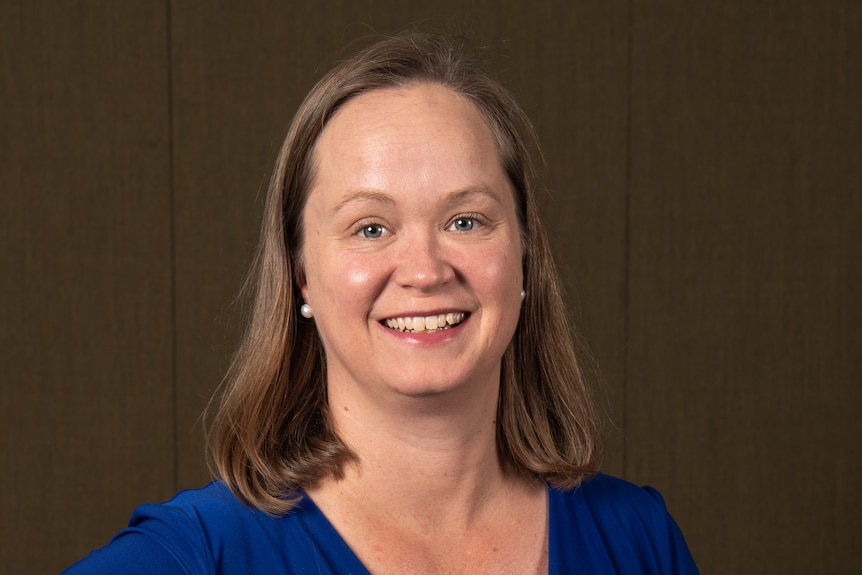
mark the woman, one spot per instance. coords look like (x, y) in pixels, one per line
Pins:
(406, 398)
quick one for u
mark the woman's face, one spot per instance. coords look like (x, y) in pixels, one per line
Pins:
(412, 252)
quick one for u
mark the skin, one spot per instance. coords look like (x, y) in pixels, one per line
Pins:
(411, 214)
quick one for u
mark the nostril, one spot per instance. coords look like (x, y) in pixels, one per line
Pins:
(423, 265)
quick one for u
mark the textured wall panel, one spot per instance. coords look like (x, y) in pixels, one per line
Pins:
(743, 388)
(86, 404)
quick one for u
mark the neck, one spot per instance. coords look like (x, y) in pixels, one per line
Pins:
(427, 456)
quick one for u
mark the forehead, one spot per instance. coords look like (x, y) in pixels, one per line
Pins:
(411, 102)
(424, 130)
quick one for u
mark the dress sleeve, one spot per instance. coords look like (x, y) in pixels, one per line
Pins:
(133, 554)
(673, 552)
(160, 540)
(608, 525)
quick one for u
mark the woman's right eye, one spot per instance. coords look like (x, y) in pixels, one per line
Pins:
(372, 231)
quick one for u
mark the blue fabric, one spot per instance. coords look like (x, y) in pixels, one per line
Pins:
(605, 526)
(611, 526)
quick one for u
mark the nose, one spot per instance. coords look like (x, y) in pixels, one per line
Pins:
(422, 263)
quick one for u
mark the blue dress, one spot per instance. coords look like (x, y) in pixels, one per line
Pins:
(606, 525)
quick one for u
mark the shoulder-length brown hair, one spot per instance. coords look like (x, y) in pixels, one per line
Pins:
(272, 434)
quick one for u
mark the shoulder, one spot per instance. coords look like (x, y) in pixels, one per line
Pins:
(614, 504)
(215, 502)
(210, 531)
(196, 527)
(209, 511)
(619, 524)
(195, 532)
(604, 494)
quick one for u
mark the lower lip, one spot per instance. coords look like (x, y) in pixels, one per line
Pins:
(433, 338)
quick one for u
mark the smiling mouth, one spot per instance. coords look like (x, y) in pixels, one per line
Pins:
(426, 324)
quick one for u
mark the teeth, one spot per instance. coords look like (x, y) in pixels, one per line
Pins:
(427, 324)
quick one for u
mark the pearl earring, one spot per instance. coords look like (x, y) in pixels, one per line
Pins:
(523, 294)
(306, 312)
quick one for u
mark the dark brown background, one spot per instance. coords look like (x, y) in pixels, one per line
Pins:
(703, 167)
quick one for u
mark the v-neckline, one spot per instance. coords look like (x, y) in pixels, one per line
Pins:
(330, 535)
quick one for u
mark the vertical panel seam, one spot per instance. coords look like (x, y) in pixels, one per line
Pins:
(173, 242)
(627, 237)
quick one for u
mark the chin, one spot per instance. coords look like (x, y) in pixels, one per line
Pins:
(423, 389)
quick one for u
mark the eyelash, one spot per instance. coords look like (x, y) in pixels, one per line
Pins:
(361, 228)
(475, 219)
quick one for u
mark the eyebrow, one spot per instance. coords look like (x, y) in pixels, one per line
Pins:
(364, 196)
(386, 199)
(468, 193)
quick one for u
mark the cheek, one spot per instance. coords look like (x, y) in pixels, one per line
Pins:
(358, 276)
(348, 281)
(498, 270)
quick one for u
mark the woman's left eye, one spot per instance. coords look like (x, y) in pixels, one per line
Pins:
(372, 231)
(463, 224)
